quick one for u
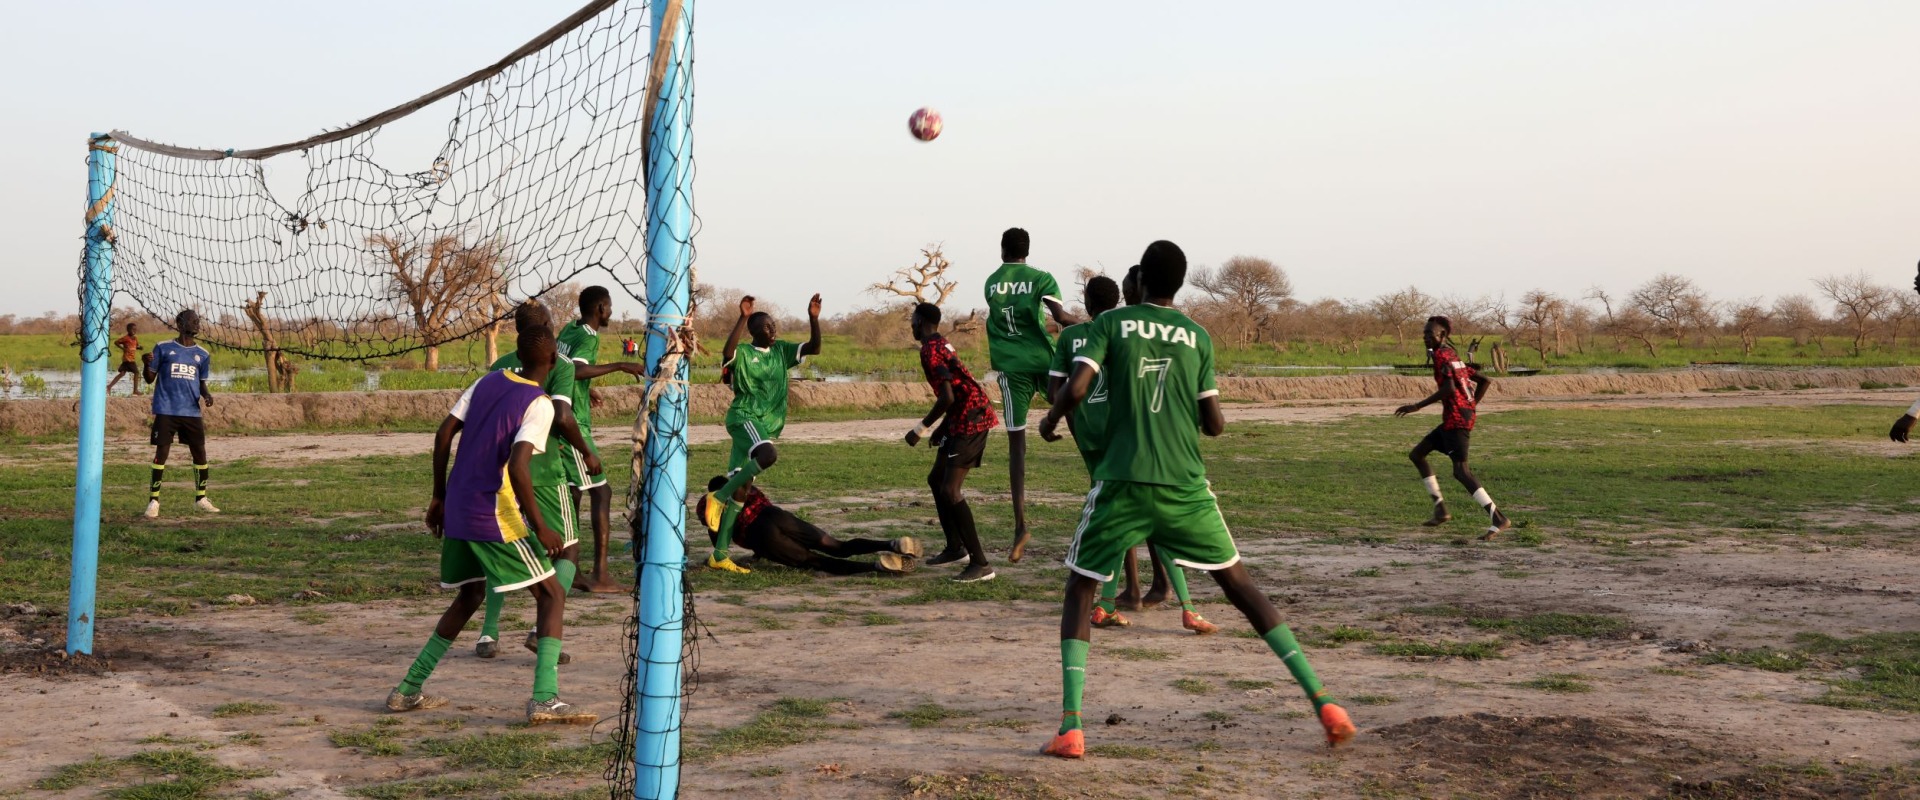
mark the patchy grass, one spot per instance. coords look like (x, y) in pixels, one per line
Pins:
(1563, 682)
(1887, 664)
(877, 618)
(790, 721)
(1336, 636)
(1138, 653)
(244, 708)
(175, 773)
(979, 786)
(1372, 699)
(1471, 651)
(1193, 686)
(312, 616)
(1366, 572)
(1248, 685)
(1763, 658)
(379, 740)
(1538, 628)
(927, 715)
(1129, 751)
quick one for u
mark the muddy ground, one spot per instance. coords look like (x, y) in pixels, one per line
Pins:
(1654, 721)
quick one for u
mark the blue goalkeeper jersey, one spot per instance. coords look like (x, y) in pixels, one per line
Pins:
(179, 370)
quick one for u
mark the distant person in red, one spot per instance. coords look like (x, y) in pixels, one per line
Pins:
(129, 360)
(1459, 393)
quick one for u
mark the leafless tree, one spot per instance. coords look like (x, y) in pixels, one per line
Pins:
(1747, 318)
(1676, 305)
(439, 280)
(925, 282)
(1797, 315)
(1900, 312)
(1543, 314)
(1857, 301)
(1248, 289)
(1401, 311)
(280, 371)
(1466, 313)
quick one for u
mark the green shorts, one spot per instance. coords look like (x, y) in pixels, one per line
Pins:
(559, 512)
(503, 566)
(1016, 396)
(1184, 522)
(748, 434)
(576, 464)
(1092, 459)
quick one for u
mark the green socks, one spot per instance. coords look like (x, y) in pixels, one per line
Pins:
(1109, 591)
(1177, 576)
(546, 670)
(1073, 681)
(424, 663)
(730, 509)
(565, 569)
(200, 480)
(490, 624)
(1284, 646)
(153, 483)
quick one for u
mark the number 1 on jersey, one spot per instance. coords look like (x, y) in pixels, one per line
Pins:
(1162, 366)
(1013, 328)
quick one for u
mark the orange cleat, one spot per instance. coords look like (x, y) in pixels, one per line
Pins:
(1339, 727)
(1103, 618)
(1072, 744)
(1194, 622)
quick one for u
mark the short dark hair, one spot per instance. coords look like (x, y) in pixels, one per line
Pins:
(592, 295)
(1014, 244)
(180, 318)
(1444, 323)
(714, 483)
(1163, 269)
(1102, 293)
(531, 313)
(129, 324)
(926, 312)
(529, 338)
(758, 319)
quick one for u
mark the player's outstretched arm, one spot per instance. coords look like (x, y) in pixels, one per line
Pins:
(1412, 407)
(442, 453)
(590, 371)
(739, 329)
(1213, 421)
(942, 400)
(1073, 390)
(812, 347)
(1059, 313)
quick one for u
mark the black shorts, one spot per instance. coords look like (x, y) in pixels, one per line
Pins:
(189, 430)
(128, 366)
(1454, 442)
(963, 452)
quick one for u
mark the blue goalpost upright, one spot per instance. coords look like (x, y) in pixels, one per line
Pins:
(96, 307)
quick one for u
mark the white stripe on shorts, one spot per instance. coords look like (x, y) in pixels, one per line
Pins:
(586, 478)
(533, 567)
(1086, 516)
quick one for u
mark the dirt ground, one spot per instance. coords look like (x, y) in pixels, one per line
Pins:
(1656, 722)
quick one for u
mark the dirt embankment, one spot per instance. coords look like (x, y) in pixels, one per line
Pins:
(270, 412)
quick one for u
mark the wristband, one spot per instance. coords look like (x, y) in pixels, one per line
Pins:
(1914, 410)
(920, 430)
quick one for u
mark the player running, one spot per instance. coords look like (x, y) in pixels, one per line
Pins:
(1151, 484)
(1020, 350)
(484, 514)
(757, 372)
(579, 342)
(964, 415)
(178, 371)
(1460, 389)
(129, 360)
(1089, 424)
(549, 476)
(775, 534)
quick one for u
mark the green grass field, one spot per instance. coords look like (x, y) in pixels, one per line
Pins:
(842, 358)
(349, 528)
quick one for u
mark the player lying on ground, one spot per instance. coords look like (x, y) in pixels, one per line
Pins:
(1089, 424)
(178, 371)
(775, 534)
(1018, 299)
(757, 371)
(579, 342)
(129, 360)
(963, 415)
(550, 489)
(1151, 485)
(1460, 389)
(485, 515)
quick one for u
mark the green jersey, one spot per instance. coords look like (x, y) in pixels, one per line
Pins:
(1158, 366)
(581, 345)
(760, 381)
(1017, 319)
(547, 467)
(1090, 417)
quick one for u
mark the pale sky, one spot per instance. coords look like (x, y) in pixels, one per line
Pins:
(1469, 147)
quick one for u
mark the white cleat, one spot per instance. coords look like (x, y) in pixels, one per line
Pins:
(203, 504)
(153, 509)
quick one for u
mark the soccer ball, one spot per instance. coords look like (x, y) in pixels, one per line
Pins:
(924, 124)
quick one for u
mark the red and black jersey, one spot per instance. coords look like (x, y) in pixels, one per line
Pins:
(1456, 384)
(971, 411)
(757, 503)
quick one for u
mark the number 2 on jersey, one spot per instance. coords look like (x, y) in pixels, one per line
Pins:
(1162, 366)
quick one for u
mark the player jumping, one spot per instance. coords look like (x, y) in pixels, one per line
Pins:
(964, 415)
(178, 371)
(129, 360)
(579, 342)
(549, 476)
(775, 534)
(1460, 389)
(1089, 424)
(1018, 297)
(484, 514)
(1151, 485)
(758, 371)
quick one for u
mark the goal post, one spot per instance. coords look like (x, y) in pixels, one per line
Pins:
(96, 310)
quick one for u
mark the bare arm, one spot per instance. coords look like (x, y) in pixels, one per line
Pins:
(442, 452)
(590, 371)
(1481, 384)
(812, 347)
(942, 400)
(1213, 421)
(739, 329)
(1059, 312)
(520, 477)
(1412, 407)
(1066, 398)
